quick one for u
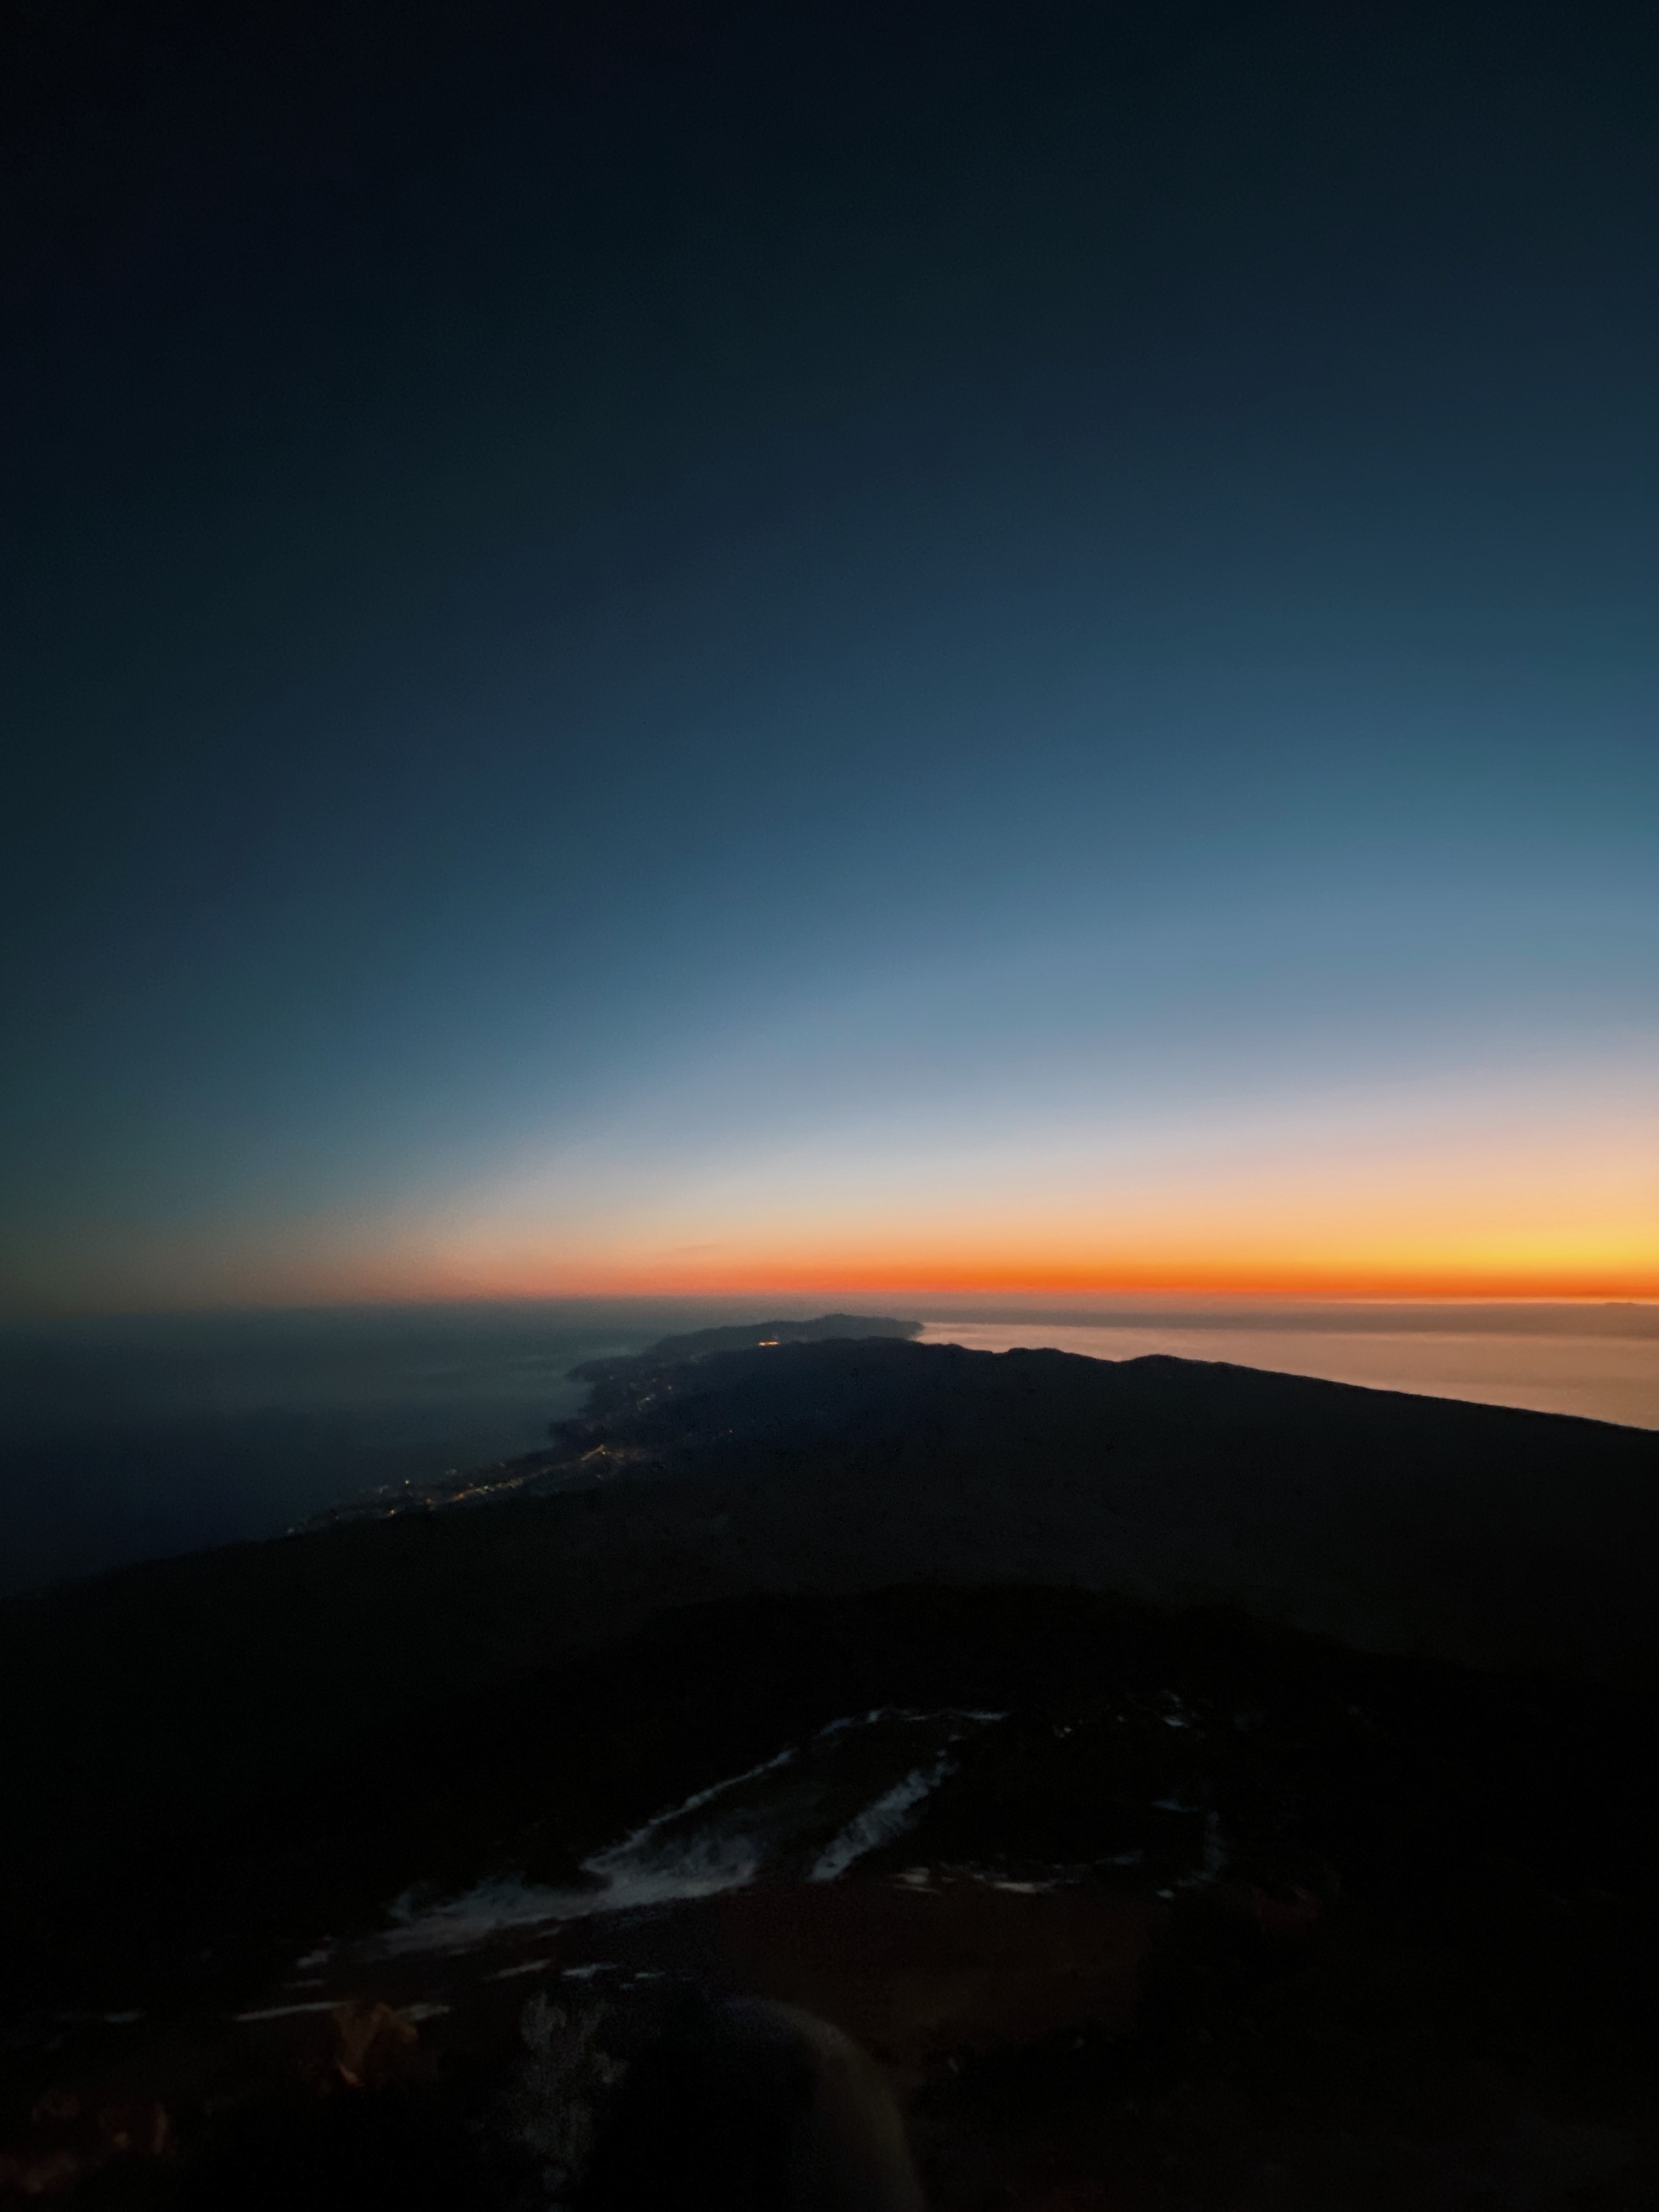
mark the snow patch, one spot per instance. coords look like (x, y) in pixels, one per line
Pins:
(893, 1812)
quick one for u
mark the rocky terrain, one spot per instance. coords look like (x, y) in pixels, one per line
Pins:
(1194, 1788)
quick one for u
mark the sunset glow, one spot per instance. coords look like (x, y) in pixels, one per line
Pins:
(829, 771)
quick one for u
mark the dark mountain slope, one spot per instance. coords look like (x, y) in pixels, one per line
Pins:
(1393, 1523)
(211, 1762)
(1397, 1520)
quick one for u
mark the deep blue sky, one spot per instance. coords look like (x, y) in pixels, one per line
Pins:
(648, 648)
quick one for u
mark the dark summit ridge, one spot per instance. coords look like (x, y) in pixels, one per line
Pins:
(704, 1469)
(745, 1336)
(1389, 1520)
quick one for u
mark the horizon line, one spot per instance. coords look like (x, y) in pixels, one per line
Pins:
(1131, 1296)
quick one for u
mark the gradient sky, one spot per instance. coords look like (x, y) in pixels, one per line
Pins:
(830, 647)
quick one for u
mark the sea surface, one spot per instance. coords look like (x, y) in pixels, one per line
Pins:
(132, 1439)
(128, 1440)
(1599, 1362)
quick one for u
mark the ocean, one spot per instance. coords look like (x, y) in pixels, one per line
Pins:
(131, 1439)
(1600, 1362)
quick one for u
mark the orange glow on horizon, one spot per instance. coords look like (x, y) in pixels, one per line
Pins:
(1561, 1223)
(1419, 1257)
(481, 1273)
(449, 1278)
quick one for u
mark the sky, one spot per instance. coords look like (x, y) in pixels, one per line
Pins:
(658, 649)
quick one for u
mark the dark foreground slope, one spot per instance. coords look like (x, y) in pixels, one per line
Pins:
(1298, 1917)
(1198, 1913)
(1392, 1522)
